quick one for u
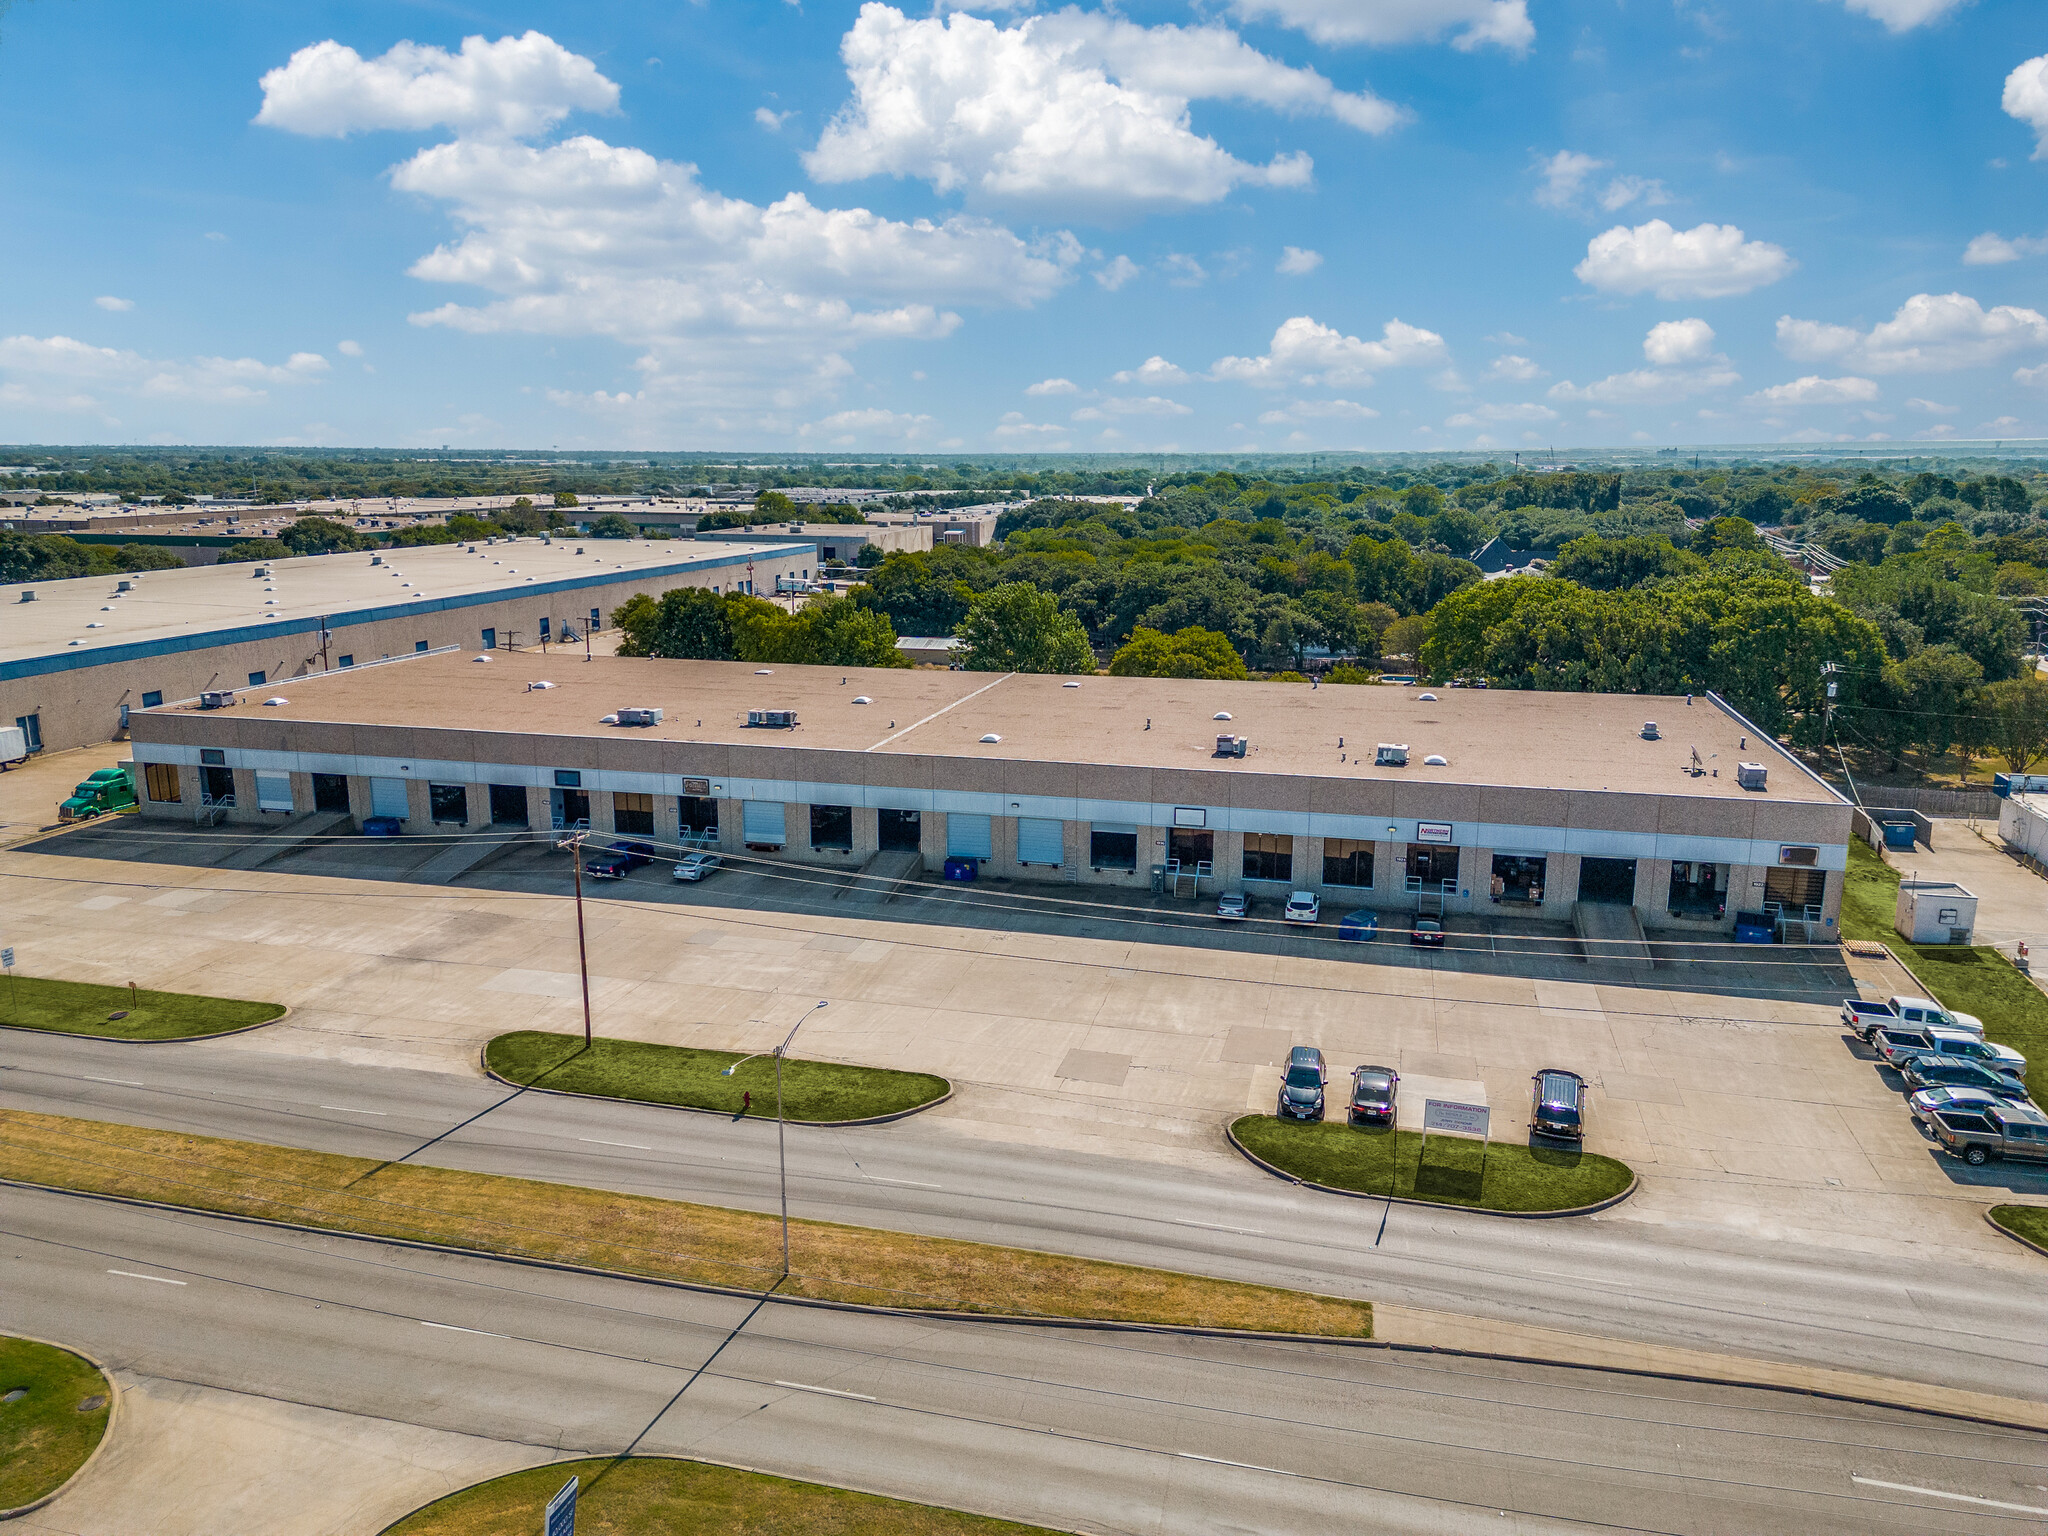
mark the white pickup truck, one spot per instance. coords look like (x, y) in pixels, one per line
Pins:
(1866, 1018)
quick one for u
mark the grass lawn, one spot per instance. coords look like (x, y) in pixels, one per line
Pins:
(674, 1074)
(2030, 1221)
(702, 1244)
(661, 1496)
(43, 1436)
(1518, 1177)
(85, 1008)
(1969, 978)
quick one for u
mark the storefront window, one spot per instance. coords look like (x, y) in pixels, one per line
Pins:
(1698, 889)
(1347, 861)
(1269, 856)
(1518, 878)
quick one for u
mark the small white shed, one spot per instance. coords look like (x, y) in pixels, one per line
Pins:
(1935, 912)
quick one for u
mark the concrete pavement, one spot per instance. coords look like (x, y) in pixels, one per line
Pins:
(1975, 1328)
(1076, 1431)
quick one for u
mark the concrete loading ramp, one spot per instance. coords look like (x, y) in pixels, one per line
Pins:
(1611, 932)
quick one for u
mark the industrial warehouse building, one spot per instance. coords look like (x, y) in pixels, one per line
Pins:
(1533, 804)
(78, 657)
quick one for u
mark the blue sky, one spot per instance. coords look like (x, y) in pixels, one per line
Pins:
(1272, 224)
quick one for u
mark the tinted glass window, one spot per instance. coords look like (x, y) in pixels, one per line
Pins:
(1303, 1077)
(1958, 1121)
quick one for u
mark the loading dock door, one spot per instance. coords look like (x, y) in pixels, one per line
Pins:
(900, 831)
(761, 823)
(1611, 882)
(1040, 841)
(969, 837)
(387, 798)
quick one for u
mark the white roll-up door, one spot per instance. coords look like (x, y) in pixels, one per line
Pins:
(387, 798)
(1040, 841)
(761, 822)
(968, 837)
(273, 791)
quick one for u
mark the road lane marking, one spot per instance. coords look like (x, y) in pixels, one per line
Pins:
(1245, 1465)
(913, 1183)
(593, 1141)
(1215, 1227)
(797, 1386)
(451, 1328)
(125, 1082)
(159, 1279)
(349, 1109)
(1962, 1498)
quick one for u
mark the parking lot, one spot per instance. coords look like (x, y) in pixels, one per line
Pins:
(1132, 1030)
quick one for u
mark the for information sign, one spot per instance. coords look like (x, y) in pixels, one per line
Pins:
(1458, 1119)
(561, 1515)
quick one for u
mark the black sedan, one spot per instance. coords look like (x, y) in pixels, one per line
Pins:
(617, 861)
(1373, 1090)
(1428, 932)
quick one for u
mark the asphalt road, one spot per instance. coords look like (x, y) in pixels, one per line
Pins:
(1082, 1431)
(1974, 1328)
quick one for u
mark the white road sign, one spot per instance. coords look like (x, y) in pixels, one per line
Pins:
(1459, 1119)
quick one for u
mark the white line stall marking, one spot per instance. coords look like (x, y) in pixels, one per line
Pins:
(129, 1274)
(1961, 1498)
(797, 1386)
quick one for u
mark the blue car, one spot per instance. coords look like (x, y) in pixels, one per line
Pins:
(616, 861)
(1361, 925)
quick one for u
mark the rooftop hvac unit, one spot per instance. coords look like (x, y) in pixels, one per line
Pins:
(777, 719)
(1750, 775)
(1649, 730)
(639, 717)
(217, 698)
(1390, 754)
(28, 594)
(1232, 746)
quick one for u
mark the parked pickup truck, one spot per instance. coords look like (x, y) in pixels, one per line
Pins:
(1900, 1045)
(1910, 1012)
(2017, 1131)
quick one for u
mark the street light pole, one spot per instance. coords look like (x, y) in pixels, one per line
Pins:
(781, 1147)
(575, 847)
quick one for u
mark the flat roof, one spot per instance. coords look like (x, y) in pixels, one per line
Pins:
(87, 620)
(1504, 737)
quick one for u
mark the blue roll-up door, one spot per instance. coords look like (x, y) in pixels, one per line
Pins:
(1040, 841)
(761, 822)
(968, 837)
(387, 798)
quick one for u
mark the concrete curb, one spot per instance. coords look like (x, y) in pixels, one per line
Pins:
(1094, 1324)
(483, 1061)
(2024, 1242)
(113, 1421)
(1429, 1205)
(219, 1034)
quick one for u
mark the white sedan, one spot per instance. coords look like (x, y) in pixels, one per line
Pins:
(695, 866)
(1303, 907)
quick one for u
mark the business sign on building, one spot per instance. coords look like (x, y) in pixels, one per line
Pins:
(1190, 816)
(1432, 832)
(696, 786)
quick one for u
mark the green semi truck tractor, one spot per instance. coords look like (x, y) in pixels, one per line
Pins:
(108, 790)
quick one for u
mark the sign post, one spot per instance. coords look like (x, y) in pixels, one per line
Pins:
(7, 961)
(1459, 1120)
(560, 1519)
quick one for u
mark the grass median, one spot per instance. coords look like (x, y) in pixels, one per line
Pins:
(675, 1074)
(666, 1239)
(665, 1496)
(2028, 1221)
(1516, 1177)
(48, 1431)
(116, 1013)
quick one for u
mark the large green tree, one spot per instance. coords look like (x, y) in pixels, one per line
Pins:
(1017, 628)
(1190, 652)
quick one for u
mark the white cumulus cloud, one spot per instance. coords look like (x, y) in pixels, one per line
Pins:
(1132, 405)
(1016, 427)
(1296, 262)
(1682, 361)
(2026, 98)
(108, 302)
(2036, 376)
(1931, 407)
(1930, 332)
(1305, 352)
(1815, 390)
(1991, 250)
(516, 86)
(1513, 367)
(1479, 415)
(1052, 387)
(853, 429)
(1711, 261)
(1113, 275)
(1471, 23)
(1297, 411)
(1072, 111)
(1567, 174)
(349, 348)
(1903, 15)
(1154, 370)
(61, 370)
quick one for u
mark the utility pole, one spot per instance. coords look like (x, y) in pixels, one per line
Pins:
(781, 1150)
(574, 844)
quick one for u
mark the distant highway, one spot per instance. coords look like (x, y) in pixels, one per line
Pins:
(1076, 1430)
(1964, 1326)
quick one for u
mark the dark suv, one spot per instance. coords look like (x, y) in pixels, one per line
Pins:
(1372, 1095)
(616, 861)
(1558, 1104)
(1301, 1090)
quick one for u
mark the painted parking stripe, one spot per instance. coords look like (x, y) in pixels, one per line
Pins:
(350, 1109)
(131, 1275)
(798, 1386)
(1217, 1227)
(634, 1145)
(913, 1183)
(125, 1082)
(451, 1328)
(1218, 1461)
(1961, 1498)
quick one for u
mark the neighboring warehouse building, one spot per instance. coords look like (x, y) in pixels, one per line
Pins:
(78, 656)
(841, 542)
(1527, 802)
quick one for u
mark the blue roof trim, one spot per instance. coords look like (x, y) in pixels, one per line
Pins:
(172, 645)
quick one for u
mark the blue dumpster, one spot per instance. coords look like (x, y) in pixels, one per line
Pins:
(962, 869)
(1899, 834)
(1755, 928)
